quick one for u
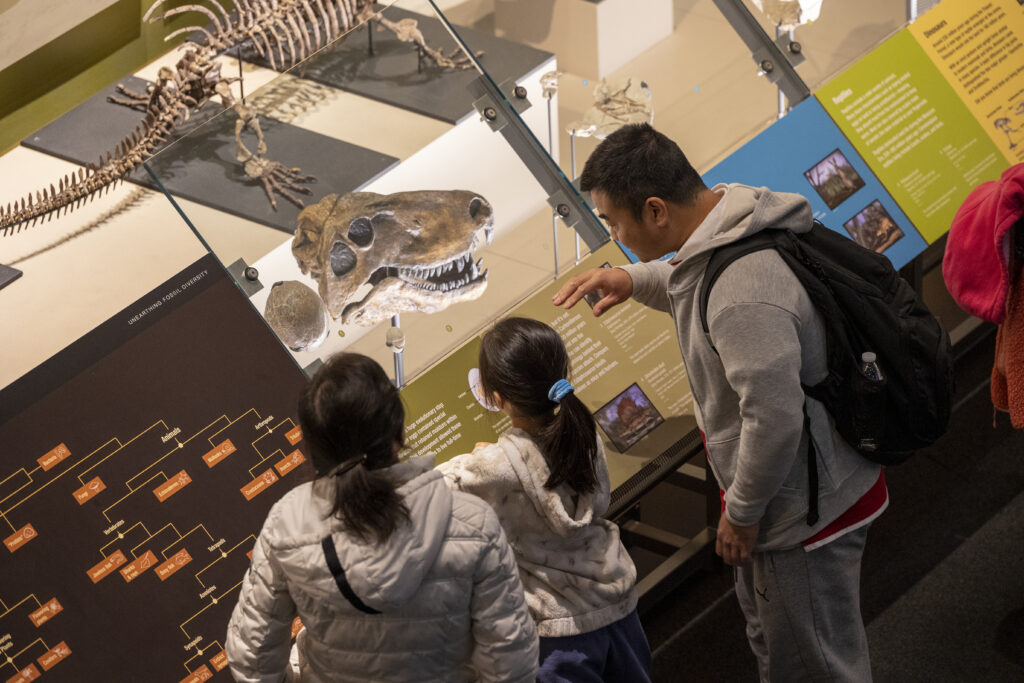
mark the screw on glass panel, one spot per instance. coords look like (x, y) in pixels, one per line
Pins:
(563, 210)
(251, 274)
(795, 47)
(520, 92)
(767, 66)
(490, 113)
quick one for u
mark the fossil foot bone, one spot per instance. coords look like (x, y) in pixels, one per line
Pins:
(278, 178)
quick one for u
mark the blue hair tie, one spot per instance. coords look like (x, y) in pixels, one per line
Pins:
(560, 390)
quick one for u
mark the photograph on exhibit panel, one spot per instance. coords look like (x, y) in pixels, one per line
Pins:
(593, 297)
(628, 417)
(834, 179)
(874, 228)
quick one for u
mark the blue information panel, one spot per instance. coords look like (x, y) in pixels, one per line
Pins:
(806, 153)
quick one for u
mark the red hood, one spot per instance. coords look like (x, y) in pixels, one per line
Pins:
(976, 262)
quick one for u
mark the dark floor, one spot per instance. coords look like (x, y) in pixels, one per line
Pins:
(943, 572)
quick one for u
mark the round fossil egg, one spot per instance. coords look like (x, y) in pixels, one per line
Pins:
(297, 315)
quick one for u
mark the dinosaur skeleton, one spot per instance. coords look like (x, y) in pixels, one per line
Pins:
(283, 32)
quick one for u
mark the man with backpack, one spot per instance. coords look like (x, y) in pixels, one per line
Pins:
(796, 543)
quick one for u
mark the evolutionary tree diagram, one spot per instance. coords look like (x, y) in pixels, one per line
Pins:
(129, 518)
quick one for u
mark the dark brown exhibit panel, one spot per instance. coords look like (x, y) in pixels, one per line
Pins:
(202, 166)
(136, 469)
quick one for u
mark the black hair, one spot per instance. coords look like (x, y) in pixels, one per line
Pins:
(637, 162)
(351, 413)
(520, 359)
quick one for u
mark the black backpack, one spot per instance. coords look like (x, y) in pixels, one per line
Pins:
(866, 306)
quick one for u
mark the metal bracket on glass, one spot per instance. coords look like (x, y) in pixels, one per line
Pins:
(311, 369)
(492, 111)
(246, 277)
(574, 212)
(8, 275)
(776, 63)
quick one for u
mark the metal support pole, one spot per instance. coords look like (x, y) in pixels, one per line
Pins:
(241, 75)
(769, 57)
(782, 96)
(572, 171)
(911, 11)
(396, 324)
(554, 217)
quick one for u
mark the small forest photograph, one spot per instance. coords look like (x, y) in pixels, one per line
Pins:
(834, 179)
(874, 228)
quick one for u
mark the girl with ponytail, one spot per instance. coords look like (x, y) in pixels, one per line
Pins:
(394, 577)
(547, 479)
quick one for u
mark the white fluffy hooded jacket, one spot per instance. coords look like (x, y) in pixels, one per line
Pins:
(450, 600)
(576, 572)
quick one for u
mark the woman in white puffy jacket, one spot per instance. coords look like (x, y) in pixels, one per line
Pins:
(395, 577)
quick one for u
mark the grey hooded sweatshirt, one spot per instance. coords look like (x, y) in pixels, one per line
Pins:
(747, 398)
(450, 600)
(575, 570)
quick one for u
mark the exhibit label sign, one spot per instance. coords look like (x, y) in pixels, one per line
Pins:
(913, 130)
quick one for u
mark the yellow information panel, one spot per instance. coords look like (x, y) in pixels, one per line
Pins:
(979, 48)
(626, 367)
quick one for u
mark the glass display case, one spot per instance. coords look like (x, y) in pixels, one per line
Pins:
(391, 183)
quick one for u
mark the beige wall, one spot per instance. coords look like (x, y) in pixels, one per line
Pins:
(27, 25)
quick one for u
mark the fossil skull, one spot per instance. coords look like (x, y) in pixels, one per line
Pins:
(413, 249)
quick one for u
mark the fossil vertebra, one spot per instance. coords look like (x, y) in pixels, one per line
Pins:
(283, 32)
(414, 250)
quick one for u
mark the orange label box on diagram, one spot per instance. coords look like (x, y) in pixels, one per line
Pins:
(54, 457)
(201, 674)
(219, 661)
(221, 451)
(172, 486)
(20, 537)
(29, 673)
(138, 565)
(177, 561)
(91, 488)
(46, 612)
(108, 565)
(259, 484)
(290, 462)
(294, 435)
(53, 657)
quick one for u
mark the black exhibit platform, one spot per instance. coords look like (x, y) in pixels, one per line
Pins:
(392, 75)
(199, 163)
(8, 275)
(136, 469)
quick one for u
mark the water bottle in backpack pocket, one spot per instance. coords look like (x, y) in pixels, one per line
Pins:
(869, 395)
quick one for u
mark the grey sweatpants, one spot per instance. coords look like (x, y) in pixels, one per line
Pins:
(803, 612)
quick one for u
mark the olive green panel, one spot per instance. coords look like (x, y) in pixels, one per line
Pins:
(57, 77)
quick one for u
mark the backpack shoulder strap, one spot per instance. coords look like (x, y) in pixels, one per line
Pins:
(721, 258)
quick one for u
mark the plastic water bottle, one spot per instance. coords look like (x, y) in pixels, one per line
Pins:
(870, 399)
(869, 367)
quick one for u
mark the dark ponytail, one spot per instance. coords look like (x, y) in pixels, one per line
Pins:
(520, 360)
(352, 419)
